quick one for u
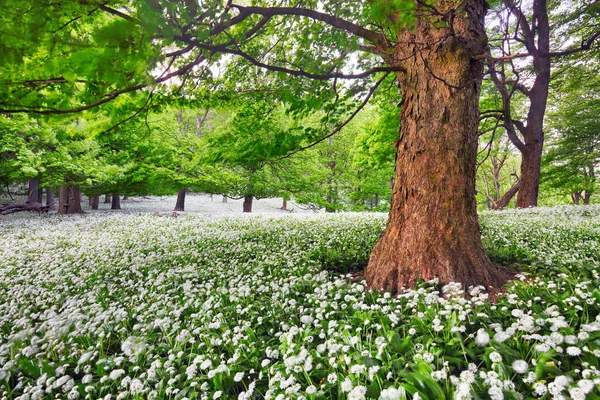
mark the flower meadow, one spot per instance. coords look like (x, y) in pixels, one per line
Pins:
(150, 306)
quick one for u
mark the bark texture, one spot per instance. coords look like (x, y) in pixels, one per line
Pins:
(33, 191)
(248, 203)
(95, 202)
(107, 199)
(69, 200)
(180, 203)
(433, 230)
(50, 199)
(503, 202)
(116, 202)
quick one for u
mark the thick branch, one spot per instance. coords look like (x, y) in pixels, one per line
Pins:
(376, 38)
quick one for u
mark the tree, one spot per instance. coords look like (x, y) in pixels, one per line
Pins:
(571, 163)
(525, 33)
(433, 50)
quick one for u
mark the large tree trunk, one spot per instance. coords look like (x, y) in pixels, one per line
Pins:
(107, 199)
(116, 202)
(531, 161)
(432, 230)
(248, 203)
(50, 199)
(95, 202)
(180, 203)
(69, 200)
(33, 191)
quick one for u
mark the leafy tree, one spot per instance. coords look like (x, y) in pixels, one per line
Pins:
(527, 37)
(571, 163)
(434, 50)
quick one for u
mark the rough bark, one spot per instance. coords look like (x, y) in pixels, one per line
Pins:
(107, 199)
(95, 202)
(116, 202)
(50, 199)
(180, 203)
(33, 191)
(69, 200)
(433, 230)
(248, 203)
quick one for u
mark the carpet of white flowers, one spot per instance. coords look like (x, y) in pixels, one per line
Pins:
(148, 306)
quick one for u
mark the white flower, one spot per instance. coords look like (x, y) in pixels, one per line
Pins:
(217, 394)
(311, 390)
(347, 385)
(238, 377)
(306, 319)
(520, 366)
(482, 338)
(391, 394)
(358, 393)
(495, 357)
(116, 374)
(136, 386)
(573, 351)
(332, 378)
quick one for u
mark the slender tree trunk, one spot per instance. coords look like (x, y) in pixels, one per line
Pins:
(376, 200)
(107, 199)
(224, 200)
(248, 203)
(95, 202)
(284, 205)
(586, 197)
(116, 202)
(69, 200)
(125, 198)
(50, 199)
(180, 204)
(90, 201)
(503, 202)
(433, 230)
(576, 197)
(33, 191)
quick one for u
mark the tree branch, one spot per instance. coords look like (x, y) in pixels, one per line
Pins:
(343, 124)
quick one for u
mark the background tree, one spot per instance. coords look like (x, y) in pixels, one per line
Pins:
(524, 44)
(571, 163)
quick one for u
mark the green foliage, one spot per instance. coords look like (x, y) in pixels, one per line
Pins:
(573, 156)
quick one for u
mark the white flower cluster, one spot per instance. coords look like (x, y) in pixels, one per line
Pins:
(149, 306)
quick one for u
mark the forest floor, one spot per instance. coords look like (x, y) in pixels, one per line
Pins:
(136, 304)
